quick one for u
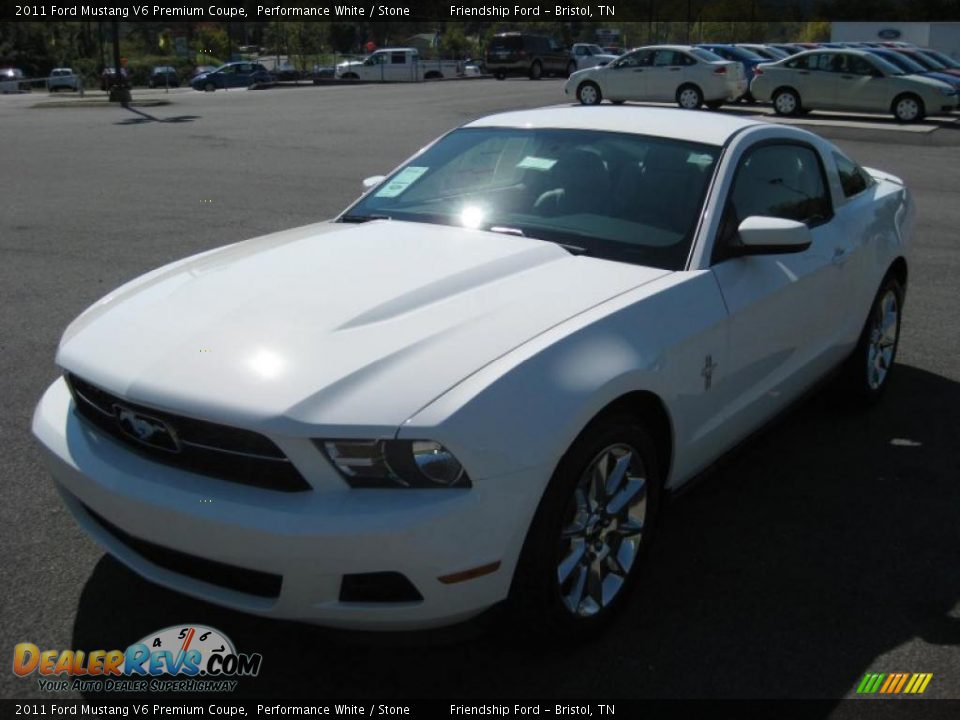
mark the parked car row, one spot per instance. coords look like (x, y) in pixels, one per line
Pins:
(908, 82)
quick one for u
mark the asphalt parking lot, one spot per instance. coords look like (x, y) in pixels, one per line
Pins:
(825, 549)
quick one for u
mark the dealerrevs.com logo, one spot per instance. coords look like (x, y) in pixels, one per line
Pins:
(180, 658)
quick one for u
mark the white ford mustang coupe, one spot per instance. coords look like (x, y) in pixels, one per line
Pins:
(477, 383)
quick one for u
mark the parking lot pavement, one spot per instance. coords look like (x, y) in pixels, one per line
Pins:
(824, 550)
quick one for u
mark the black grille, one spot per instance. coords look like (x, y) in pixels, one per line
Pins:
(220, 451)
(251, 582)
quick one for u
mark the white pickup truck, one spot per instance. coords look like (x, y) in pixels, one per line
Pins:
(397, 65)
(588, 55)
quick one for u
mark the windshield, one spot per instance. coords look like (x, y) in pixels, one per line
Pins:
(595, 50)
(619, 196)
(744, 54)
(902, 62)
(888, 67)
(939, 57)
(705, 55)
(927, 62)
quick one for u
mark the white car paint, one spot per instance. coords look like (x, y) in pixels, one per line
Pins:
(501, 348)
(634, 76)
(824, 89)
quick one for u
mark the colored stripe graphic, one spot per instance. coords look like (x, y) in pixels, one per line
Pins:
(894, 683)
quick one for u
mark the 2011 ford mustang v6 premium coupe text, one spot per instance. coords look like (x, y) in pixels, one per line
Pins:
(477, 383)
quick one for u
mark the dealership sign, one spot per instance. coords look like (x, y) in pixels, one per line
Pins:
(889, 34)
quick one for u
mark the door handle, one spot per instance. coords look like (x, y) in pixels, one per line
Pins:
(638, 70)
(839, 256)
(847, 77)
(804, 72)
(674, 69)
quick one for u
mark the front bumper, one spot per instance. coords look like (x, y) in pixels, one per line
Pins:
(310, 539)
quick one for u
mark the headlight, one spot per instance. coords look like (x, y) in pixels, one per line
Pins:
(395, 463)
(948, 91)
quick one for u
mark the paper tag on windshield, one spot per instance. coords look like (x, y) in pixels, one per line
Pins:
(536, 163)
(404, 179)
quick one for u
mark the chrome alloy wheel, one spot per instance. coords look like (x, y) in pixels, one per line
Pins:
(883, 339)
(601, 538)
(786, 103)
(907, 109)
(689, 99)
(589, 95)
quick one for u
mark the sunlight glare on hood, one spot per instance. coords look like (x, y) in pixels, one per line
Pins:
(267, 364)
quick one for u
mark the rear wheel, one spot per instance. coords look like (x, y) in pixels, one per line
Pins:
(786, 102)
(536, 70)
(689, 97)
(500, 75)
(209, 87)
(908, 108)
(588, 93)
(593, 524)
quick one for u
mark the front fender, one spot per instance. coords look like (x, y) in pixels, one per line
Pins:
(526, 408)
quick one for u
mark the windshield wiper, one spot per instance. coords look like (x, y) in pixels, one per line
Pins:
(363, 218)
(572, 249)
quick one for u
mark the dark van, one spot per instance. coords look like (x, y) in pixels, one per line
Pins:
(518, 53)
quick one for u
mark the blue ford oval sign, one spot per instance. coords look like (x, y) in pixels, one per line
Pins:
(889, 34)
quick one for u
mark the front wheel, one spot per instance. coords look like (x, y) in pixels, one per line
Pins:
(209, 87)
(908, 108)
(588, 93)
(593, 524)
(536, 71)
(867, 371)
(689, 97)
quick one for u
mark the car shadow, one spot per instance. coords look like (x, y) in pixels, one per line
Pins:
(148, 118)
(825, 542)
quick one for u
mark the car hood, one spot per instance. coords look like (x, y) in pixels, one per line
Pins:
(332, 325)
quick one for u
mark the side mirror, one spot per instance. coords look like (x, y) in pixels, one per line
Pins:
(761, 235)
(372, 181)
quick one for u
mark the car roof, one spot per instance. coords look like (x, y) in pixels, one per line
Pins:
(673, 123)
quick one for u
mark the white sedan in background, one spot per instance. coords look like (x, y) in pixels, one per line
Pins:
(477, 383)
(849, 79)
(688, 76)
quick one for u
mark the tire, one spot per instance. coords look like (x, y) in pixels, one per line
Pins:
(866, 373)
(786, 102)
(209, 87)
(536, 70)
(714, 104)
(908, 108)
(617, 102)
(433, 75)
(571, 68)
(588, 93)
(500, 75)
(689, 97)
(573, 533)
(350, 76)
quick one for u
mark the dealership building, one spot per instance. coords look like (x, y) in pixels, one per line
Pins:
(942, 36)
